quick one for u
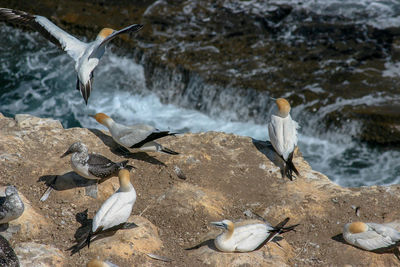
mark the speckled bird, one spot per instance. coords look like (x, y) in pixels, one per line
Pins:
(11, 205)
(86, 55)
(91, 165)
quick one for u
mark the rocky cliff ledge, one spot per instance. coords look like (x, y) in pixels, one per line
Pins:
(226, 176)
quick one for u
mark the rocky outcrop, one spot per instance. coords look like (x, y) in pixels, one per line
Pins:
(226, 176)
(236, 54)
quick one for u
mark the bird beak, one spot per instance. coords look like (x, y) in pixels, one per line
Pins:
(93, 116)
(273, 98)
(219, 224)
(66, 153)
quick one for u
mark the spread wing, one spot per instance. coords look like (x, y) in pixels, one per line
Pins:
(49, 30)
(131, 28)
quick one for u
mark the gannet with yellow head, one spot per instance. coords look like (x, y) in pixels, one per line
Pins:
(371, 236)
(248, 235)
(86, 55)
(139, 136)
(113, 213)
(282, 132)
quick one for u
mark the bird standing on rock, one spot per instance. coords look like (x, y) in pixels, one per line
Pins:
(113, 214)
(86, 55)
(92, 166)
(371, 236)
(140, 136)
(246, 236)
(282, 132)
(11, 205)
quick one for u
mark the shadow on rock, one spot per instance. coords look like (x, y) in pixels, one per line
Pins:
(209, 243)
(123, 152)
(67, 181)
(268, 150)
(83, 235)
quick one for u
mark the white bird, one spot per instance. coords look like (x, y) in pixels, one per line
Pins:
(86, 55)
(140, 136)
(282, 132)
(248, 235)
(113, 214)
(11, 205)
(99, 263)
(92, 166)
(371, 236)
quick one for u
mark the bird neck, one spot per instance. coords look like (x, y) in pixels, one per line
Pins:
(228, 233)
(125, 185)
(108, 122)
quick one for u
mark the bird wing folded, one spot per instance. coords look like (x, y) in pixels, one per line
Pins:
(114, 211)
(371, 240)
(49, 30)
(275, 131)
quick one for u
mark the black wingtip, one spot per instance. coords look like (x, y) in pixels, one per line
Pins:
(85, 89)
(290, 168)
(169, 151)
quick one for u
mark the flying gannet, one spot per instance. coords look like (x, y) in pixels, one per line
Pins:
(86, 55)
(140, 136)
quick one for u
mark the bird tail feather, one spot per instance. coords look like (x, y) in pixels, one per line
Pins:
(85, 89)
(168, 151)
(279, 229)
(81, 242)
(290, 168)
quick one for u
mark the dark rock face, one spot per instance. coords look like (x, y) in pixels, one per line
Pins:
(232, 55)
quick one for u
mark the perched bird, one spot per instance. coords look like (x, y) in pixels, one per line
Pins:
(8, 258)
(140, 136)
(86, 55)
(113, 214)
(92, 166)
(247, 235)
(99, 263)
(11, 205)
(282, 132)
(371, 236)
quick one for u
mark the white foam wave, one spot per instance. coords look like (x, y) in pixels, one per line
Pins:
(380, 14)
(42, 82)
